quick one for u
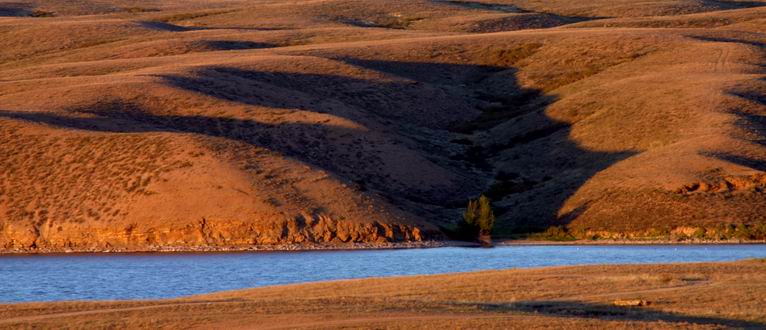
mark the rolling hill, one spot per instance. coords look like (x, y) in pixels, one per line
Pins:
(145, 125)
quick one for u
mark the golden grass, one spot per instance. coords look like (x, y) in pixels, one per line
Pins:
(95, 169)
(388, 112)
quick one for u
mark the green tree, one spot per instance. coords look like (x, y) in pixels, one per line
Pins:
(486, 220)
(479, 216)
(742, 232)
(700, 233)
(471, 212)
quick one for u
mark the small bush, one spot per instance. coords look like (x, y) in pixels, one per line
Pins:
(759, 231)
(555, 233)
(742, 232)
(42, 13)
(726, 232)
(699, 233)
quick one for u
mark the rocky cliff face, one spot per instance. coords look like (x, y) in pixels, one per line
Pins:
(209, 234)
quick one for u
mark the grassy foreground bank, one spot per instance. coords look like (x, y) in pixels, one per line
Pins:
(699, 296)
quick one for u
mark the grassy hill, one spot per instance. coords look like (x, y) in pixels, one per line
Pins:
(145, 124)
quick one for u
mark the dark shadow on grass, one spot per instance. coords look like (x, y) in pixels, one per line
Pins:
(121, 117)
(15, 10)
(530, 184)
(532, 21)
(750, 42)
(756, 164)
(362, 99)
(414, 100)
(578, 309)
(503, 8)
(751, 120)
(235, 44)
(723, 4)
(532, 190)
(170, 27)
(163, 26)
(244, 28)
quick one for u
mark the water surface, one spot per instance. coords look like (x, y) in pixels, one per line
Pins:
(145, 276)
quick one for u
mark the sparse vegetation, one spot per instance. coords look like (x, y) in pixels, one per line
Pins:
(700, 233)
(511, 56)
(191, 16)
(554, 233)
(42, 13)
(138, 10)
(507, 184)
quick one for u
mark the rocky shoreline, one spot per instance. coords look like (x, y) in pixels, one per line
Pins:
(320, 233)
(365, 246)
(253, 248)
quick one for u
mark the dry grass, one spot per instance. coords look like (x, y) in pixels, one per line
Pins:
(95, 170)
(375, 112)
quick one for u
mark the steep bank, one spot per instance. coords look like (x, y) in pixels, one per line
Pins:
(211, 235)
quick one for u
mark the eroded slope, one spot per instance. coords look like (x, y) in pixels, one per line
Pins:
(238, 123)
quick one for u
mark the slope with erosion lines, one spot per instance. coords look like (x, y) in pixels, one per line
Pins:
(206, 129)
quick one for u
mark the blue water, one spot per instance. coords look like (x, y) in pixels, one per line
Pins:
(143, 276)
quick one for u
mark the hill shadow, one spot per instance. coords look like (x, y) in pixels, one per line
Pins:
(746, 119)
(754, 43)
(756, 124)
(752, 122)
(513, 9)
(170, 27)
(578, 309)
(235, 44)
(164, 26)
(503, 8)
(125, 117)
(724, 4)
(434, 96)
(364, 99)
(15, 10)
(536, 185)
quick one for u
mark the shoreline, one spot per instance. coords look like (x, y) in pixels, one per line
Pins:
(368, 246)
(394, 277)
(626, 242)
(240, 249)
(680, 295)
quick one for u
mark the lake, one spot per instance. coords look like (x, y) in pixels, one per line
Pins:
(145, 276)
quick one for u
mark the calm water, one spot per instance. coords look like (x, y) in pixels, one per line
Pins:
(141, 276)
